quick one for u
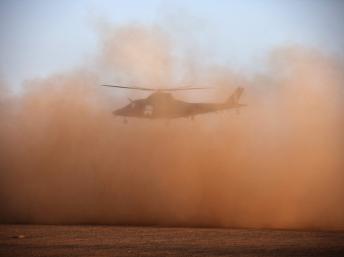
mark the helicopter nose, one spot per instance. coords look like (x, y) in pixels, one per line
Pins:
(116, 112)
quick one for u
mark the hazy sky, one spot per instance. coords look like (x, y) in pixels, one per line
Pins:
(40, 37)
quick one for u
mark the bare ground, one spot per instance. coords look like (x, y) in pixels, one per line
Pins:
(40, 240)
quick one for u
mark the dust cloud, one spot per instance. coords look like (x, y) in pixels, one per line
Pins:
(66, 160)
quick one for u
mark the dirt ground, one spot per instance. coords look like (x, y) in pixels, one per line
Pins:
(42, 240)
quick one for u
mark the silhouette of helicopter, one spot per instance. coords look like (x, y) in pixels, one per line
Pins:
(162, 105)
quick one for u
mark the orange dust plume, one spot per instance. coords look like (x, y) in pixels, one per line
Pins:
(65, 159)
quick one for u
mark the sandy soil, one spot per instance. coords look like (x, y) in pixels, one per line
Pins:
(37, 240)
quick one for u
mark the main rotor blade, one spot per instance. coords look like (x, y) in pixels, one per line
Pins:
(183, 88)
(137, 88)
(157, 89)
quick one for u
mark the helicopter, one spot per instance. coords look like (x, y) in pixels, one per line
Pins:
(162, 105)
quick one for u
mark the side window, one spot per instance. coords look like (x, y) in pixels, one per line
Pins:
(148, 110)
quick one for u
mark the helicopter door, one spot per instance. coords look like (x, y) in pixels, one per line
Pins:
(148, 110)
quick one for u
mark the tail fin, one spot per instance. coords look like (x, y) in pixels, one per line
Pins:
(234, 98)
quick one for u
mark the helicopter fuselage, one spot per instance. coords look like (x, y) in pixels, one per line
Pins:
(161, 105)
